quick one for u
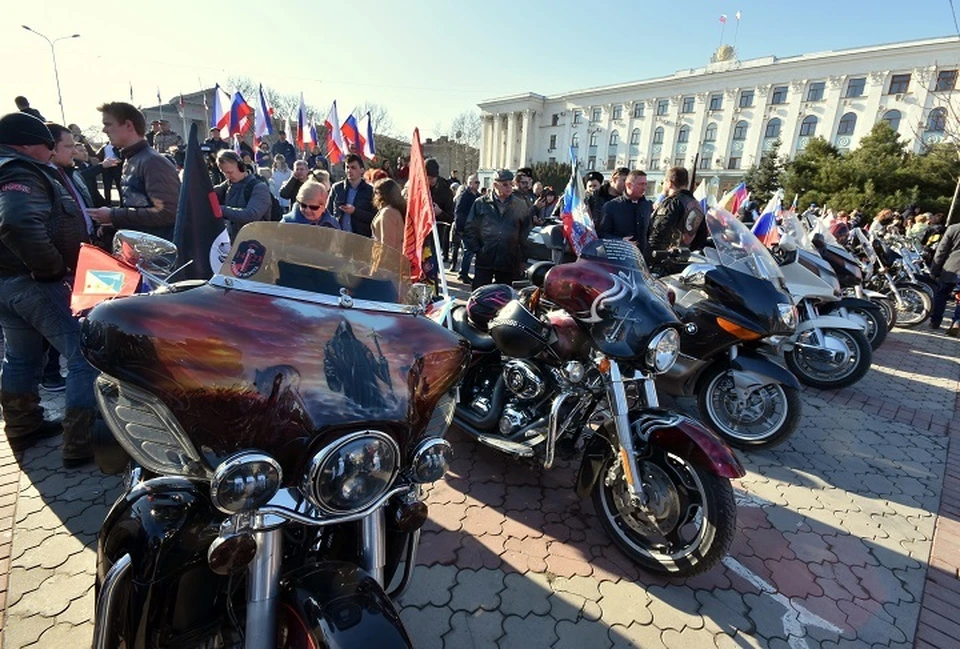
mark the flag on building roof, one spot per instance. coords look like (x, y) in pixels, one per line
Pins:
(220, 116)
(351, 135)
(240, 114)
(302, 124)
(419, 221)
(263, 120)
(723, 19)
(336, 148)
(765, 227)
(737, 16)
(366, 131)
(577, 224)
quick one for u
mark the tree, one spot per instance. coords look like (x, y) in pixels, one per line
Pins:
(766, 178)
(379, 117)
(467, 128)
(552, 174)
(285, 105)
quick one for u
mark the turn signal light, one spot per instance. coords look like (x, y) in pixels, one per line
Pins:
(740, 332)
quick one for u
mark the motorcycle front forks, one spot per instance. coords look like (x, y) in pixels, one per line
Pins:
(617, 397)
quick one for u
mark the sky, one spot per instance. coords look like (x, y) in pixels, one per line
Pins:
(426, 61)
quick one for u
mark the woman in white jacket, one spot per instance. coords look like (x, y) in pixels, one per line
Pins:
(281, 174)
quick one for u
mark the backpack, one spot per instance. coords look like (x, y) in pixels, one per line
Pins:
(276, 212)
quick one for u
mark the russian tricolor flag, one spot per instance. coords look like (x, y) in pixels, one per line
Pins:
(369, 147)
(733, 199)
(577, 224)
(220, 116)
(302, 127)
(263, 121)
(240, 113)
(765, 228)
(351, 134)
(336, 149)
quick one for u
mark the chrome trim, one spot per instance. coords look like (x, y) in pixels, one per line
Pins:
(249, 286)
(617, 397)
(554, 430)
(424, 447)
(263, 589)
(308, 484)
(374, 544)
(408, 565)
(103, 626)
(231, 463)
(304, 519)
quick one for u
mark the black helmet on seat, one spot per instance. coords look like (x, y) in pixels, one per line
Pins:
(518, 333)
(485, 302)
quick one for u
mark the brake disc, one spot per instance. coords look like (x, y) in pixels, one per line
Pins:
(659, 510)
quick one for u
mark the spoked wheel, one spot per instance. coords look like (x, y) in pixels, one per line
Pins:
(915, 308)
(875, 324)
(889, 311)
(842, 358)
(684, 523)
(764, 417)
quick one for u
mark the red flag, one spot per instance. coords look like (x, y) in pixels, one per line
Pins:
(100, 277)
(420, 217)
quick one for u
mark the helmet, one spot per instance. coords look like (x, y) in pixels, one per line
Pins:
(486, 302)
(518, 333)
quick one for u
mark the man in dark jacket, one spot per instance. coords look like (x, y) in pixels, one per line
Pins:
(284, 148)
(150, 185)
(678, 220)
(351, 199)
(628, 216)
(442, 204)
(496, 230)
(244, 196)
(461, 209)
(42, 230)
(608, 191)
(23, 105)
(946, 268)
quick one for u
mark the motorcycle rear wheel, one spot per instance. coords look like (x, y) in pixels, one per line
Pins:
(695, 507)
(769, 417)
(916, 308)
(825, 375)
(886, 305)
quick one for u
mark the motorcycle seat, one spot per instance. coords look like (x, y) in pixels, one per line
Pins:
(478, 340)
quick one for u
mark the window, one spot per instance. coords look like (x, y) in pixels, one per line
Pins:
(553, 142)
(575, 141)
(612, 162)
(577, 116)
(663, 105)
(773, 128)
(704, 162)
(638, 109)
(595, 115)
(654, 165)
(892, 117)
(779, 95)
(815, 90)
(658, 136)
(552, 161)
(710, 135)
(592, 163)
(716, 102)
(808, 127)
(593, 139)
(847, 123)
(617, 112)
(615, 138)
(632, 163)
(635, 136)
(678, 162)
(555, 120)
(733, 163)
(746, 98)
(946, 80)
(937, 121)
(899, 83)
(684, 135)
(740, 131)
(687, 106)
(855, 87)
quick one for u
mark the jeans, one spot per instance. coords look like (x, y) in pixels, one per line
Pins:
(467, 260)
(945, 289)
(29, 312)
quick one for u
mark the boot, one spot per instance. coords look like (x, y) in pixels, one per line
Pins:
(954, 329)
(77, 445)
(23, 420)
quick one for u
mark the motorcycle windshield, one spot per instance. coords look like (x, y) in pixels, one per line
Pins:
(318, 260)
(738, 248)
(627, 260)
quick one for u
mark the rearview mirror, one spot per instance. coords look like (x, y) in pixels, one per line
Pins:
(153, 254)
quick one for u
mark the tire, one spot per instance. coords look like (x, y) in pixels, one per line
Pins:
(928, 284)
(916, 308)
(877, 328)
(885, 305)
(692, 502)
(827, 376)
(769, 417)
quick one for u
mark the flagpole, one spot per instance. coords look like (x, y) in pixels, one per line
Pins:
(723, 26)
(438, 255)
(736, 31)
(160, 104)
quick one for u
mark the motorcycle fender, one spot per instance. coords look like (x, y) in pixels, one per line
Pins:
(875, 294)
(671, 431)
(763, 367)
(337, 604)
(826, 322)
(852, 303)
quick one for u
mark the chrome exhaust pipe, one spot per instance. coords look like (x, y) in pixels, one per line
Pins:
(106, 602)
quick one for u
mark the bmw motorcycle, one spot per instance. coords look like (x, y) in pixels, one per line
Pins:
(730, 299)
(278, 423)
(567, 367)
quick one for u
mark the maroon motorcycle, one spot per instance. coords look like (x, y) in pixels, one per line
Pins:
(567, 367)
(276, 424)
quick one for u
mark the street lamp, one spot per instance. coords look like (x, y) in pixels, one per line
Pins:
(56, 73)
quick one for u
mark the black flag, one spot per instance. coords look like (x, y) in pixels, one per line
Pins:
(199, 233)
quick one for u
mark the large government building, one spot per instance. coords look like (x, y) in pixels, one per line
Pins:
(730, 111)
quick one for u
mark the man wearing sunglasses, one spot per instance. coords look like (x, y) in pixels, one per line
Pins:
(42, 230)
(311, 206)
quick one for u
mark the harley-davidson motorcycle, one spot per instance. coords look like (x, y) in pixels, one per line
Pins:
(279, 421)
(568, 366)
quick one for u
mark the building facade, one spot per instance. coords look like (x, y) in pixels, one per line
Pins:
(723, 117)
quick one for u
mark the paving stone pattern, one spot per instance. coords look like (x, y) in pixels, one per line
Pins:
(833, 547)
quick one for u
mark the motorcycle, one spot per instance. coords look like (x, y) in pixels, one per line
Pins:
(730, 298)
(545, 364)
(912, 300)
(277, 423)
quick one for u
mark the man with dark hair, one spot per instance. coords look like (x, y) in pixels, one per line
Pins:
(42, 230)
(151, 135)
(523, 185)
(442, 199)
(150, 186)
(609, 190)
(946, 269)
(351, 199)
(678, 220)
(165, 138)
(24, 107)
(461, 210)
(284, 148)
(628, 216)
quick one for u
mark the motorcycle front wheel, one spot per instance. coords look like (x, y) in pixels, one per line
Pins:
(813, 369)
(885, 305)
(876, 324)
(767, 417)
(916, 306)
(690, 516)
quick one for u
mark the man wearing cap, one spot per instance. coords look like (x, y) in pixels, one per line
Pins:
(150, 184)
(442, 204)
(152, 133)
(593, 182)
(42, 228)
(165, 138)
(496, 230)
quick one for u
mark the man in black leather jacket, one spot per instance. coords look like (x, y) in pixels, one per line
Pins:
(678, 221)
(41, 228)
(628, 216)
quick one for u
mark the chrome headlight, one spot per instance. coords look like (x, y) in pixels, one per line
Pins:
(245, 482)
(431, 459)
(788, 315)
(352, 473)
(147, 430)
(663, 350)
